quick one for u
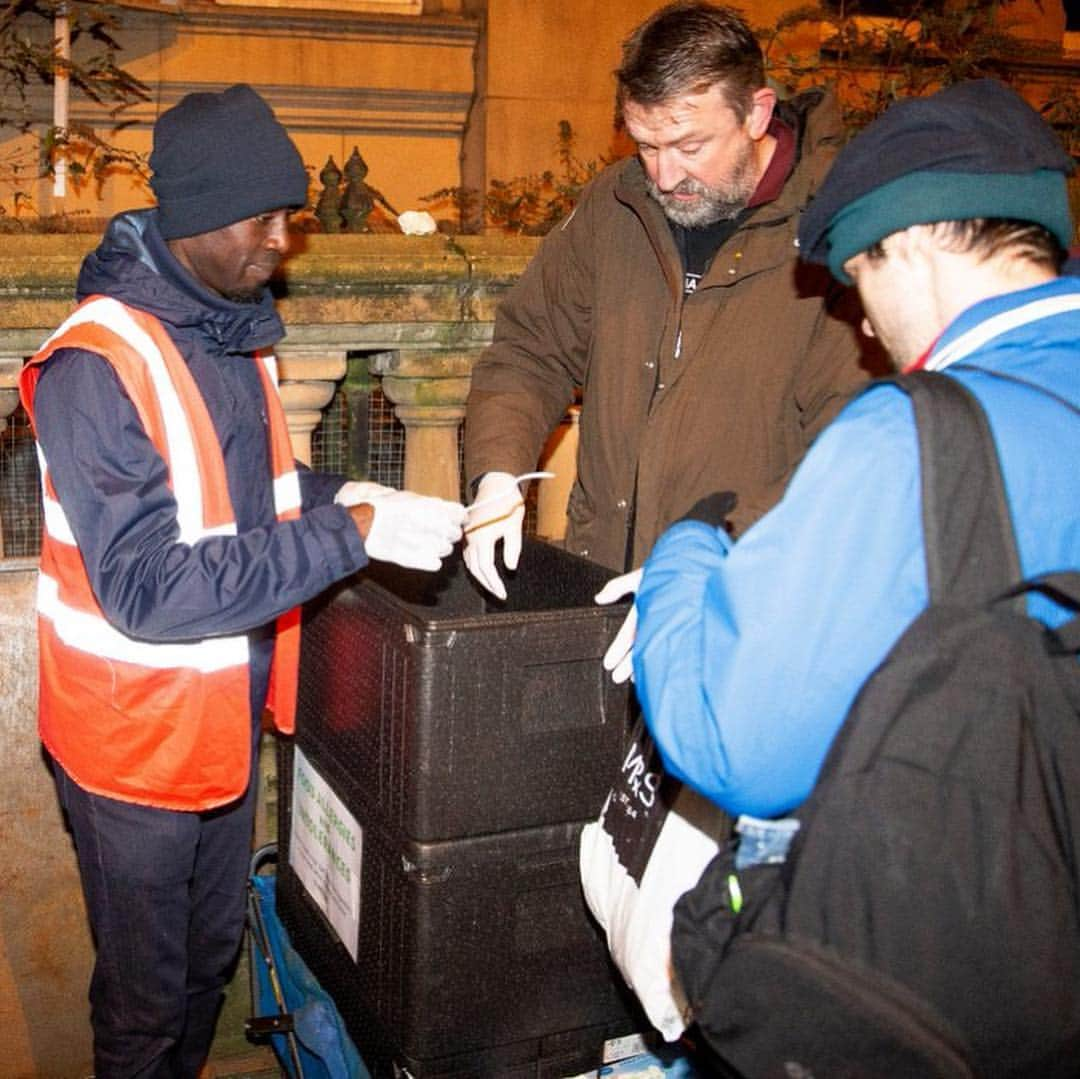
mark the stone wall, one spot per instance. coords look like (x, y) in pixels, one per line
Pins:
(45, 954)
(433, 93)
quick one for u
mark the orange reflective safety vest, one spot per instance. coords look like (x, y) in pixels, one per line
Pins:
(166, 725)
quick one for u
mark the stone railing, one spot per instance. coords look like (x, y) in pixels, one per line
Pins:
(420, 308)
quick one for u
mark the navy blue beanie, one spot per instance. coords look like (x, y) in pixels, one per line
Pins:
(220, 158)
(975, 149)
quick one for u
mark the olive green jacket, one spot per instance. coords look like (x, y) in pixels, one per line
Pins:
(681, 397)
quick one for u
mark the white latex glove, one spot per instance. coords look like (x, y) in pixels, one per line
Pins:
(413, 530)
(353, 492)
(499, 515)
(619, 657)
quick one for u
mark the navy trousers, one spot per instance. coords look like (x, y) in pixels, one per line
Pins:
(165, 894)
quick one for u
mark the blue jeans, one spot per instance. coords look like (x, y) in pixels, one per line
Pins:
(165, 895)
(763, 842)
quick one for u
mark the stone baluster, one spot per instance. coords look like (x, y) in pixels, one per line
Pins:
(428, 390)
(10, 366)
(307, 378)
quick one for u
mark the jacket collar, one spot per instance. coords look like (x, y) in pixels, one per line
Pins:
(134, 265)
(1022, 315)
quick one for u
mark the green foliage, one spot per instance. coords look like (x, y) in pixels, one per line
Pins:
(29, 61)
(1063, 112)
(527, 205)
(872, 61)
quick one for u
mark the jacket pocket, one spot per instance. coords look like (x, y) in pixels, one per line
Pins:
(709, 917)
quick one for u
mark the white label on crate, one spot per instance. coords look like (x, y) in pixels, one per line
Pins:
(325, 850)
(616, 1049)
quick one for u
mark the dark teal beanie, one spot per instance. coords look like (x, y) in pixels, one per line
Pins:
(921, 198)
(976, 149)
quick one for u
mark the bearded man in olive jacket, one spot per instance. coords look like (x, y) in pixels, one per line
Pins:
(671, 297)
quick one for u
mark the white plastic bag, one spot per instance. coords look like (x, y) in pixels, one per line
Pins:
(651, 844)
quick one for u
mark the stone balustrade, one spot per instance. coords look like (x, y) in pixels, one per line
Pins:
(419, 307)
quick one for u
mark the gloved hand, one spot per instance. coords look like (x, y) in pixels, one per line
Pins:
(353, 492)
(413, 530)
(619, 657)
(499, 517)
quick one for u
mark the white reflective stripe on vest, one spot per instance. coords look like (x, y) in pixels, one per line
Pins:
(269, 361)
(287, 493)
(184, 471)
(93, 635)
(286, 486)
(56, 522)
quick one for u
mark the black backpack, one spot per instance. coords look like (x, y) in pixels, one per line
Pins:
(925, 921)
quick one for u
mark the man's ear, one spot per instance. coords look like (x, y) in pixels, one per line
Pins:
(916, 242)
(762, 103)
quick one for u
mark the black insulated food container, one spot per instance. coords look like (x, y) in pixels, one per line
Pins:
(471, 739)
(446, 715)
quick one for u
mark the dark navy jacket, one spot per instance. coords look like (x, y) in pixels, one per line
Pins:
(112, 482)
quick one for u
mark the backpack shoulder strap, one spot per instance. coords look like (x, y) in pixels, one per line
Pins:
(971, 554)
(1063, 588)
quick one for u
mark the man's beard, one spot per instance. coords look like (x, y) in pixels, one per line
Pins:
(720, 203)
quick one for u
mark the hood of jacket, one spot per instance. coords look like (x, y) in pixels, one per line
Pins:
(134, 265)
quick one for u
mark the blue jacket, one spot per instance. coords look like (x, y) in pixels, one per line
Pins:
(748, 656)
(112, 481)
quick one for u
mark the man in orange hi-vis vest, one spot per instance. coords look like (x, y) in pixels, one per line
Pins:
(180, 539)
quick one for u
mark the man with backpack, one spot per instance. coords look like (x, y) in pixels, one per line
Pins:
(951, 215)
(915, 912)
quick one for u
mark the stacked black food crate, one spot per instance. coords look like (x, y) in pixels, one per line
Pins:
(470, 739)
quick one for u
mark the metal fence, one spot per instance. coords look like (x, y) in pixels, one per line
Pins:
(20, 493)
